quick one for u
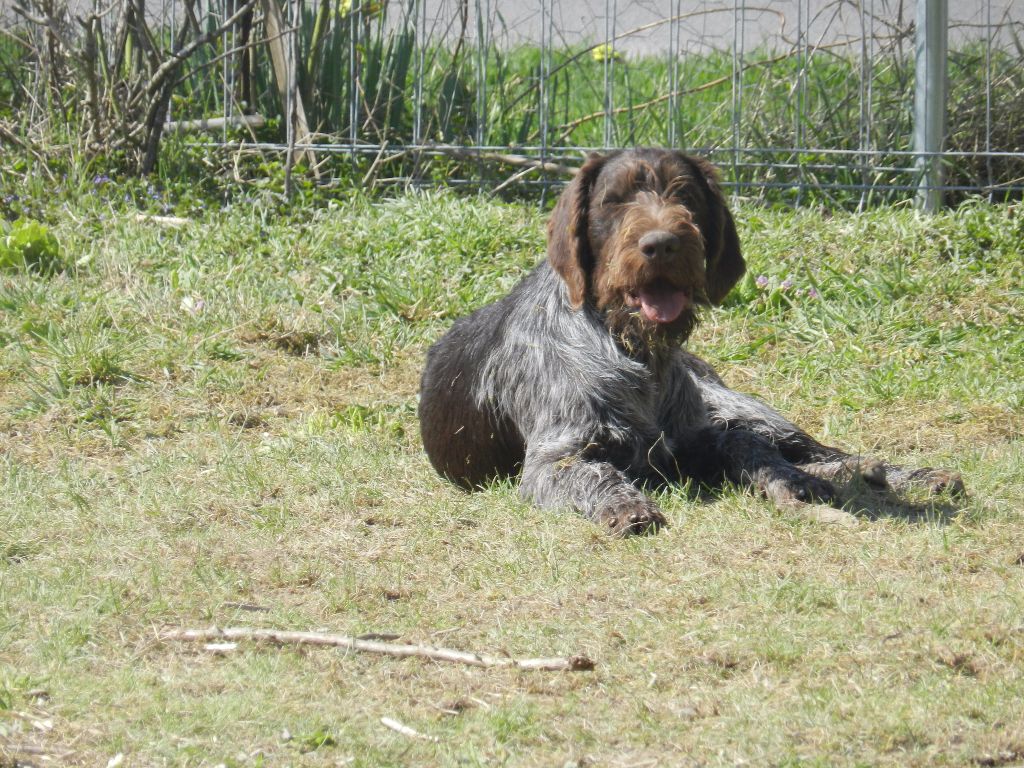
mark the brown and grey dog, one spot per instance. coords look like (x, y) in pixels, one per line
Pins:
(578, 381)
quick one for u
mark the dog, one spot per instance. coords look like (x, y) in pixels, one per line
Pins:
(578, 380)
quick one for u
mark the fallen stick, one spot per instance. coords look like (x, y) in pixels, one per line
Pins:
(216, 123)
(163, 221)
(521, 161)
(405, 730)
(557, 664)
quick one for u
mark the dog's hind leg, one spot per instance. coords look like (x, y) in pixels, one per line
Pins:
(713, 453)
(734, 410)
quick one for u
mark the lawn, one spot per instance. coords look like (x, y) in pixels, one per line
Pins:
(214, 423)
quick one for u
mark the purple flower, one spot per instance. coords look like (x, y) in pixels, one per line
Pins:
(193, 305)
(762, 281)
(787, 284)
(812, 293)
(100, 180)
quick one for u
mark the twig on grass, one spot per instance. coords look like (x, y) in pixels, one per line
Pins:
(556, 664)
(405, 730)
(163, 221)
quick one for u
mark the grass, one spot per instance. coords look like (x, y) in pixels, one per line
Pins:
(215, 424)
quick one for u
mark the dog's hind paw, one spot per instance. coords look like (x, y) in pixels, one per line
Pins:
(848, 469)
(794, 486)
(934, 481)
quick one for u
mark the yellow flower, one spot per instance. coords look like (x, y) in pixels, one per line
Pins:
(604, 52)
(370, 9)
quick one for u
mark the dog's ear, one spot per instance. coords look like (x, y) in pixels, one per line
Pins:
(724, 261)
(725, 269)
(568, 238)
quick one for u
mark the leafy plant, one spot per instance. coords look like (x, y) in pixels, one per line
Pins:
(30, 245)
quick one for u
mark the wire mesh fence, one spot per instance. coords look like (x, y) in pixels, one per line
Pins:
(796, 100)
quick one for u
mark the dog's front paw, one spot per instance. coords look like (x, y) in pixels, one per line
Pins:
(633, 518)
(789, 485)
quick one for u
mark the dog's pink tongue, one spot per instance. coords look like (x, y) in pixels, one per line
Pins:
(662, 304)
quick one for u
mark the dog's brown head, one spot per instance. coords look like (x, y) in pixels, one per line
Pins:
(645, 236)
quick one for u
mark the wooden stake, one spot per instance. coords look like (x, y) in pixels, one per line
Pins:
(273, 21)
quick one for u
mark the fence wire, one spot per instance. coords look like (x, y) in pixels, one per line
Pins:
(798, 99)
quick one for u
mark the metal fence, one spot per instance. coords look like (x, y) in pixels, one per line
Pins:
(793, 99)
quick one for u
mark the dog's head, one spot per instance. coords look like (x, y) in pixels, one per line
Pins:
(644, 236)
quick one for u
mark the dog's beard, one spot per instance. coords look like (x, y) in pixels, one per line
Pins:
(643, 340)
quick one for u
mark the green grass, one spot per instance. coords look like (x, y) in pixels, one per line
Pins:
(198, 420)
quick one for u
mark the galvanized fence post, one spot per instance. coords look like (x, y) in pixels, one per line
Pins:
(930, 100)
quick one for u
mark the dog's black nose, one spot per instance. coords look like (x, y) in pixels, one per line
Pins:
(659, 245)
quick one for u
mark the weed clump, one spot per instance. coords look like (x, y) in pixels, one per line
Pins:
(29, 245)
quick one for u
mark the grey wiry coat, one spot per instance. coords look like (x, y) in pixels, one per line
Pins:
(577, 379)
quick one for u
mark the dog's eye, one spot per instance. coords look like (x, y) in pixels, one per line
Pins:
(685, 196)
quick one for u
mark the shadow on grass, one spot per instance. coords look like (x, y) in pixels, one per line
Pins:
(857, 501)
(873, 504)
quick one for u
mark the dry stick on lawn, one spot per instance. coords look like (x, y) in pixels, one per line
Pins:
(570, 664)
(405, 730)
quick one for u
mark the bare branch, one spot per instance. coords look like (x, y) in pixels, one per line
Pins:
(48, 22)
(405, 730)
(216, 123)
(520, 161)
(280, 637)
(178, 57)
(10, 137)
